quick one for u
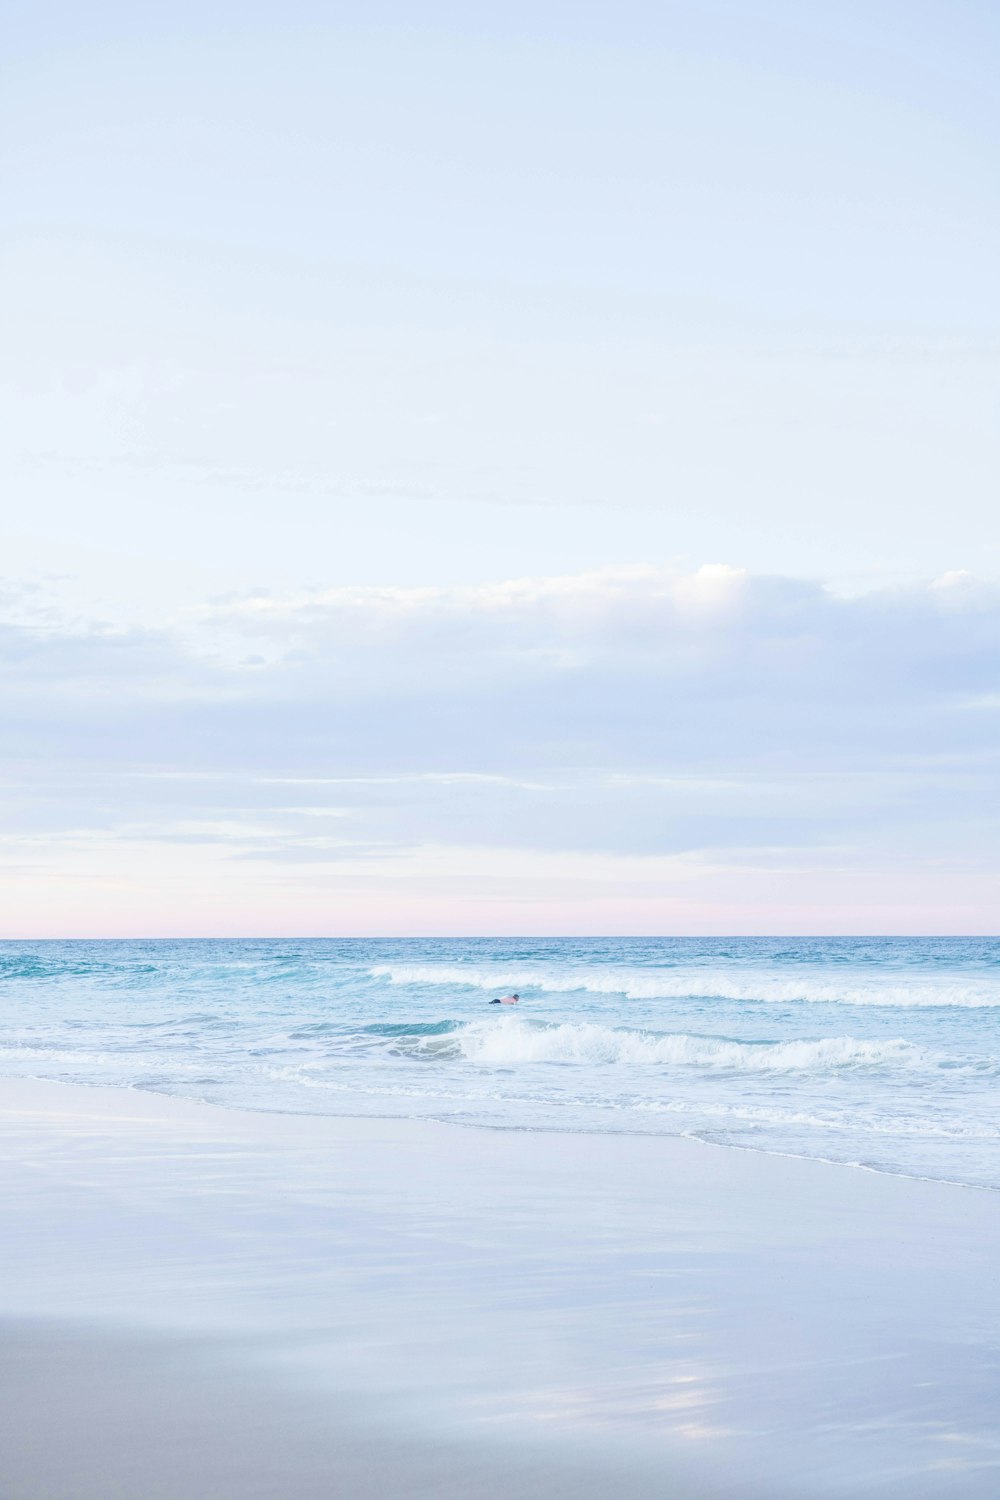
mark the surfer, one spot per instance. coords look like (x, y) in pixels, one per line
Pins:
(507, 1000)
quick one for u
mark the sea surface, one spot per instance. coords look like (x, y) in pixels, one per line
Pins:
(882, 1052)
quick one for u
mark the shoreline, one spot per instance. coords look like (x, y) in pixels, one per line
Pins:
(746, 1323)
(491, 1125)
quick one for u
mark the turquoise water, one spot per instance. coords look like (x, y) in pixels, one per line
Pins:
(880, 1052)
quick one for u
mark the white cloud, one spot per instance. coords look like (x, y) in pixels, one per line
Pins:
(709, 718)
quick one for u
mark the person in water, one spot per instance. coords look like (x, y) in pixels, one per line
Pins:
(507, 1000)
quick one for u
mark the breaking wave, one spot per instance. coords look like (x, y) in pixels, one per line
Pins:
(513, 1040)
(643, 984)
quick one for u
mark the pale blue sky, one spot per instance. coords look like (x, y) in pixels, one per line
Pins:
(328, 297)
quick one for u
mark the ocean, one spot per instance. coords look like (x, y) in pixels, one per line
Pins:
(880, 1052)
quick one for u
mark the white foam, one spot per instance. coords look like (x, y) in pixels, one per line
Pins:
(512, 1040)
(867, 1123)
(679, 984)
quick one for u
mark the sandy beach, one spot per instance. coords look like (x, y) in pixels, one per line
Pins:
(202, 1303)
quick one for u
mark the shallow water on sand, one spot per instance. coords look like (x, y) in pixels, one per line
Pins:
(882, 1052)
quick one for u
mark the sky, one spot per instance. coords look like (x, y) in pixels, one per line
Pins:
(499, 469)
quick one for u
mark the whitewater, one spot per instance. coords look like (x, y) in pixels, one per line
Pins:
(882, 1053)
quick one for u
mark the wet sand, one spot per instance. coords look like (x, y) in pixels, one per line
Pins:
(205, 1303)
(93, 1415)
